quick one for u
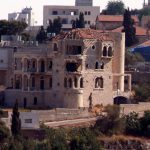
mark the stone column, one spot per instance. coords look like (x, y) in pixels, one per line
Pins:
(28, 83)
(22, 61)
(22, 83)
(37, 65)
(129, 81)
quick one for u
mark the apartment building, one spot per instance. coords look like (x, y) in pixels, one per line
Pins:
(70, 13)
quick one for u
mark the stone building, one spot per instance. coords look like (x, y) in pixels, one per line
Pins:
(146, 4)
(76, 69)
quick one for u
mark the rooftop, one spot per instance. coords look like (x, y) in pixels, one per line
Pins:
(85, 33)
(139, 30)
(147, 43)
(114, 18)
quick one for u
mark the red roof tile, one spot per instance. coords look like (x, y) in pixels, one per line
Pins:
(83, 34)
(114, 18)
(147, 43)
(139, 30)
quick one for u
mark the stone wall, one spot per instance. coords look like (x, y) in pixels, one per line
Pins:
(138, 108)
(61, 114)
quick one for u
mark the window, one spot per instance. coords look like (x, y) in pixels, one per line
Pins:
(104, 51)
(85, 13)
(55, 47)
(65, 82)
(102, 65)
(89, 22)
(50, 65)
(28, 120)
(85, 22)
(89, 13)
(55, 13)
(1, 61)
(42, 83)
(35, 101)
(81, 83)
(96, 65)
(99, 82)
(110, 52)
(33, 82)
(25, 102)
(72, 13)
(50, 82)
(75, 82)
(70, 83)
(93, 47)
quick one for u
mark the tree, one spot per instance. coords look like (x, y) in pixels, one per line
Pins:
(11, 27)
(55, 26)
(41, 35)
(144, 12)
(114, 8)
(129, 29)
(16, 122)
(145, 123)
(79, 23)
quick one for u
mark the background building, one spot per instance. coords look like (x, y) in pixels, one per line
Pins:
(70, 13)
(25, 15)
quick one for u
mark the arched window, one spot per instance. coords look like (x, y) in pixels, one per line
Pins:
(110, 51)
(33, 82)
(99, 83)
(65, 82)
(104, 51)
(25, 102)
(55, 47)
(50, 82)
(33, 64)
(96, 65)
(42, 66)
(75, 82)
(35, 101)
(70, 83)
(81, 83)
(42, 83)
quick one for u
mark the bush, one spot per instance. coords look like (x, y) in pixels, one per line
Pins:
(112, 123)
(145, 123)
(4, 132)
(84, 139)
(133, 125)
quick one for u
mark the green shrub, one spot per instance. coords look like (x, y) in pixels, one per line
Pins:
(145, 123)
(133, 125)
(112, 123)
(4, 132)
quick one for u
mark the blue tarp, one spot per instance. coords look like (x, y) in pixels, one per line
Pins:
(144, 51)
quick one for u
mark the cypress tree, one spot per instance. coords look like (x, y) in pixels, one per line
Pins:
(81, 21)
(41, 36)
(16, 122)
(129, 29)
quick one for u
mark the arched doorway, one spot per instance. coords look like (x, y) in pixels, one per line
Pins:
(120, 100)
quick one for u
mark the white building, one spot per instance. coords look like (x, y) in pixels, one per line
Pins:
(25, 15)
(70, 13)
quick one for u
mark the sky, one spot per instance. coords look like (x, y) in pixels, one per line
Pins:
(10, 6)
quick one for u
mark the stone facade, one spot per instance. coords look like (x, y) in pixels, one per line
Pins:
(76, 69)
